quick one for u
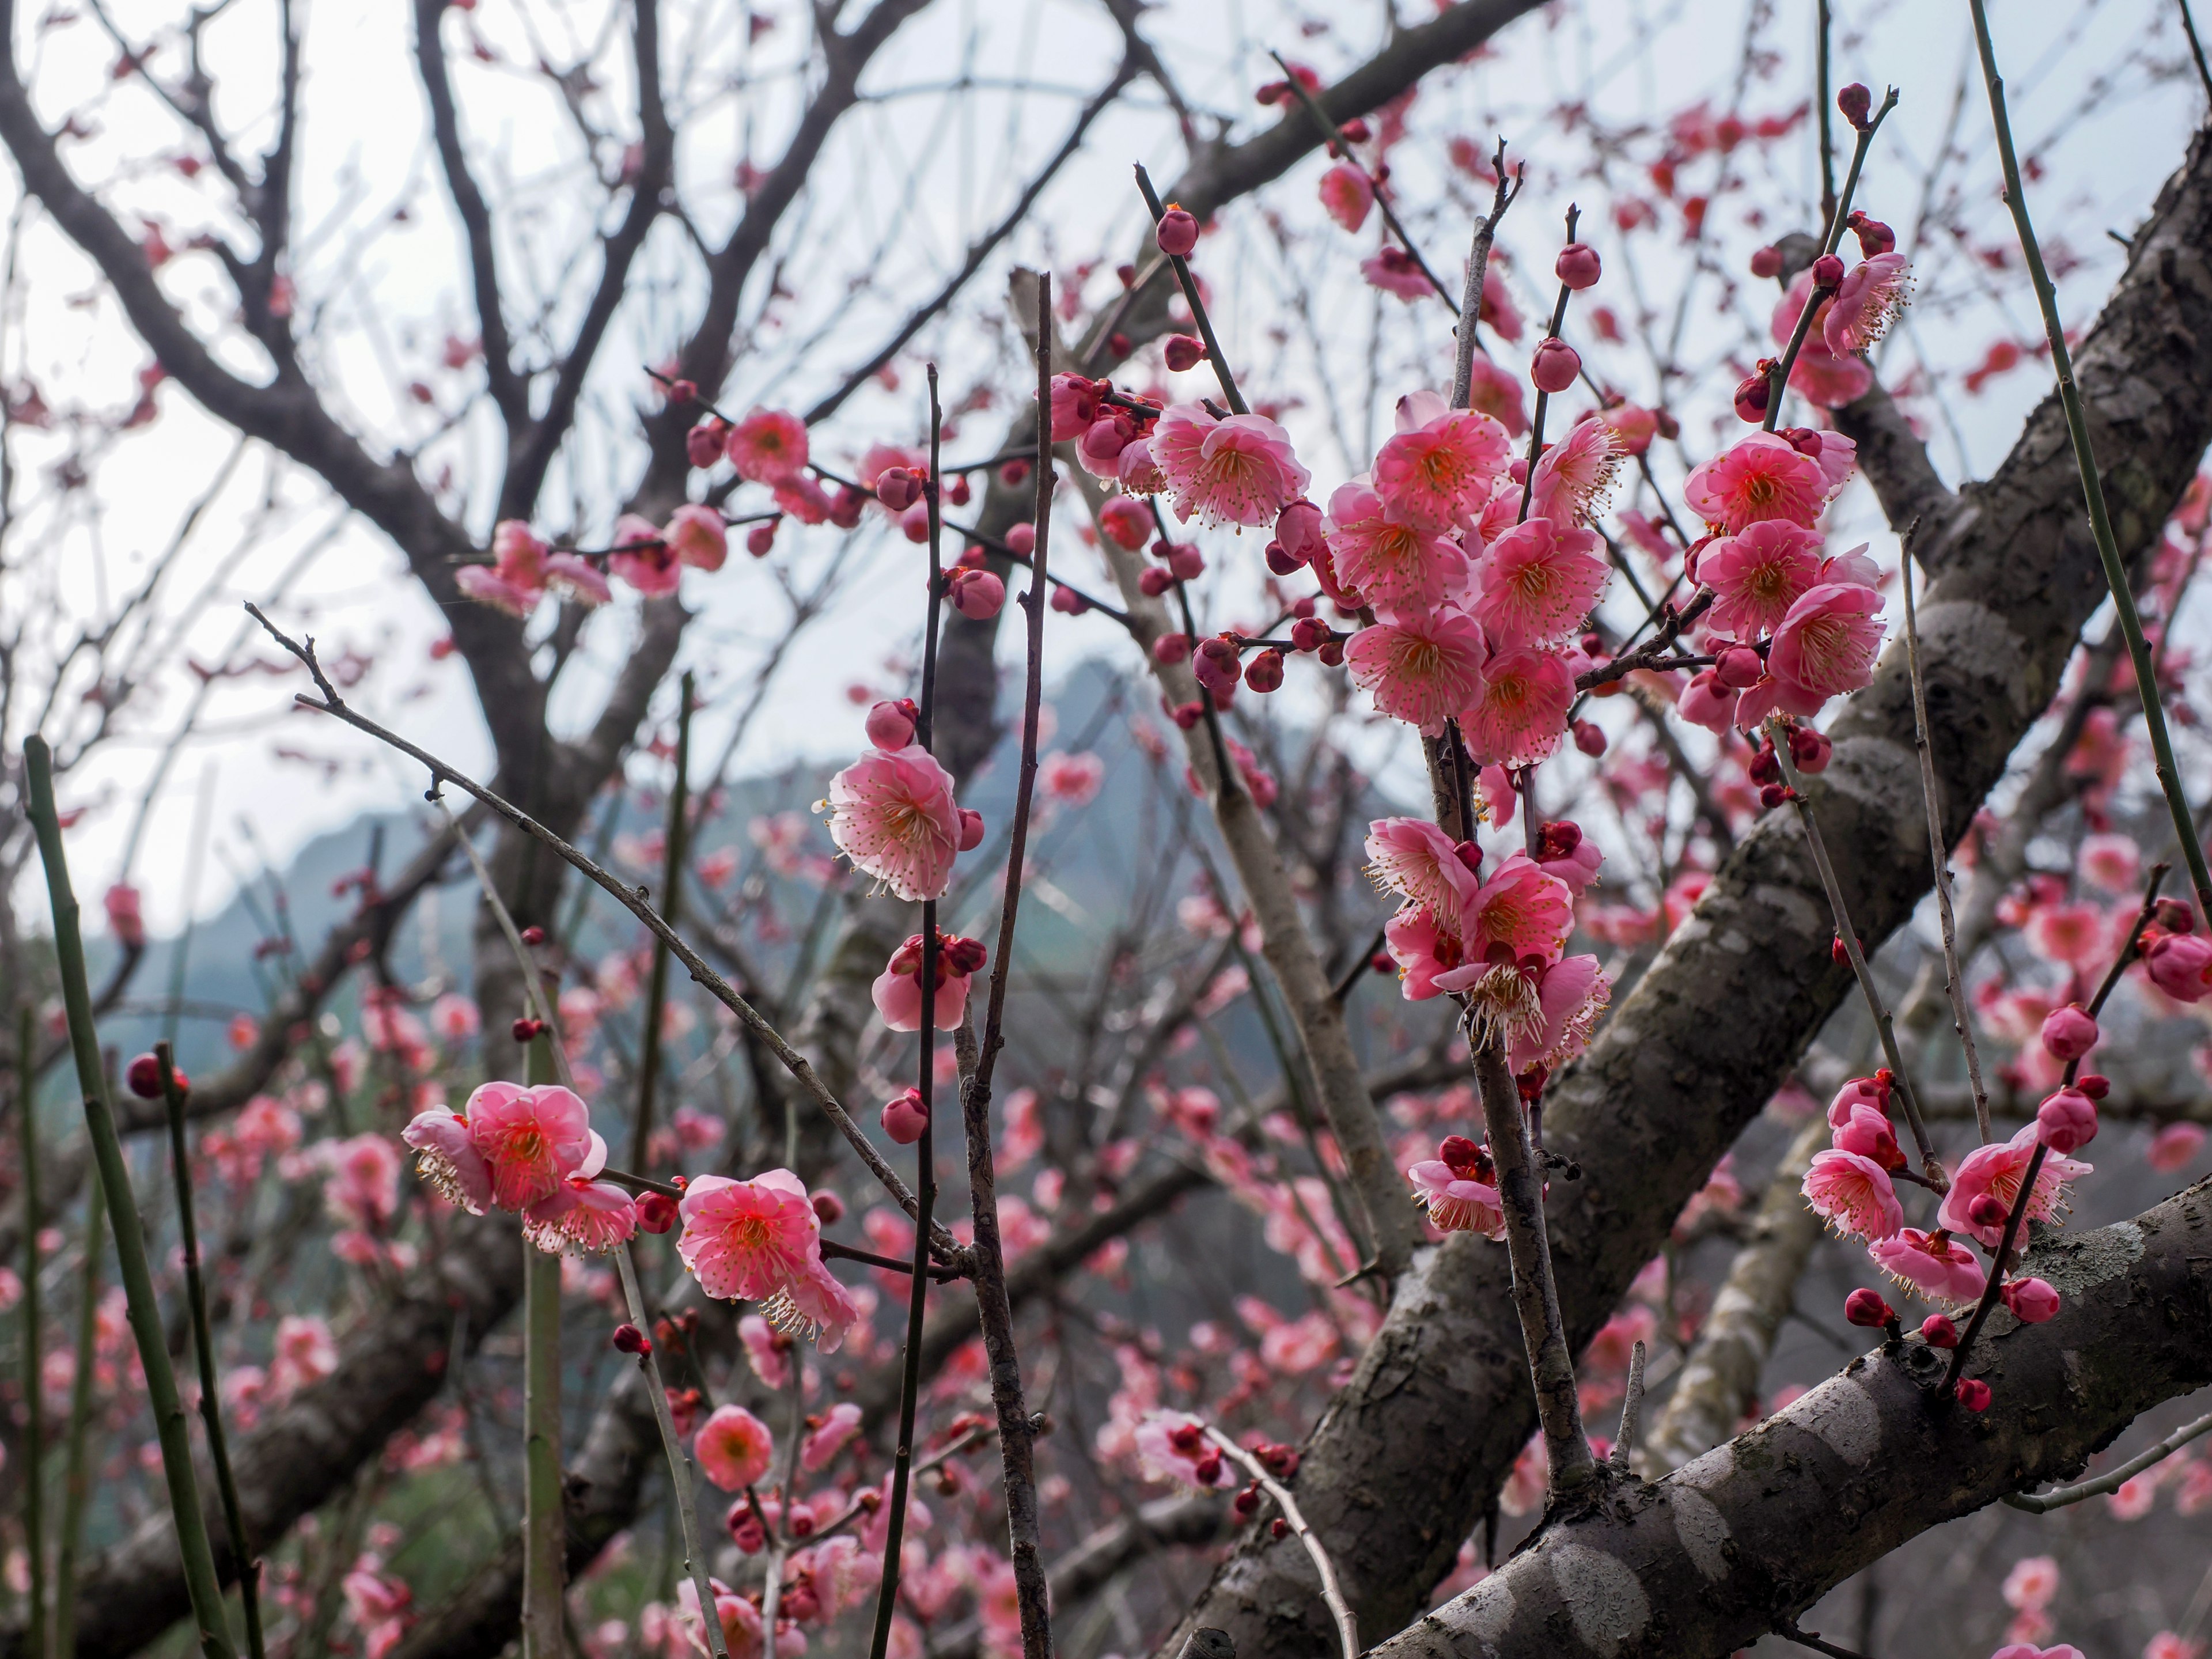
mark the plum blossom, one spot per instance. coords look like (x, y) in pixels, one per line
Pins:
(1523, 710)
(1934, 1265)
(746, 1240)
(1457, 1198)
(1442, 463)
(1762, 476)
(1997, 1170)
(1758, 574)
(897, 989)
(734, 1448)
(446, 1158)
(582, 1218)
(1572, 994)
(1424, 949)
(1539, 581)
(1347, 195)
(1415, 860)
(1392, 563)
(1573, 474)
(892, 812)
(1171, 1446)
(531, 1139)
(1520, 907)
(1238, 470)
(1421, 667)
(1854, 1194)
(769, 446)
(1872, 293)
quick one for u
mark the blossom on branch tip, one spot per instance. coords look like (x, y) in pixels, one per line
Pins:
(1438, 472)
(445, 1157)
(1422, 865)
(734, 1448)
(769, 446)
(1390, 562)
(1996, 1172)
(581, 1217)
(1572, 994)
(1347, 195)
(696, 536)
(1459, 1191)
(893, 815)
(1758, 574)
(1573, 474)
(1760, 477)
(1870, 294)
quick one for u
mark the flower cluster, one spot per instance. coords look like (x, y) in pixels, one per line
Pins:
(530, 1150)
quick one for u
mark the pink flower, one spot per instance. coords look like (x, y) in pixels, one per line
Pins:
(531, 1139)
(1440, 472)
(1870, 1133)
(814, 1305)
(746, 1240)
(1523, 710)
(2180, 964)
(1575, 473)
(641, 558)
(1563, 851)
(126, 916)
(1998, 1171)
(740, 1620)
(1539, 581)
(1520, 907)
(1423, 949)
(1758, 574)
(1496, 392)
(1935, 1265)
(487, 586)
(734, 1448)
(2169, 1645)
(1346, 194)
(1820, 375)
(1573, 993)
(1457, 1202)
(1853, 1194)
(1136, 472)
(1240, 471)
(893, 815)
(839, 1425)
(1826, 644)
(1072, 780)
(897, 989)
(696, 536)
(1873, 292)
(1763, 476)
(576, 577)
(444, 1157)
(584, 1218)
(1422, 668)
(767, 1352)
(2112, 862)
(2175, 1146)
(1390, 270)
(1415, 860)
(768, 446)
(1174, 1446)
(1394, 565)
(2033, 1582)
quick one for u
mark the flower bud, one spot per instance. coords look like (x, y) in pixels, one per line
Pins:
(1752, 393)
(1281, 562)
(1809, 750)
(1074, 406)
(1183, 352)
(975, 594)
(905, 1117)
(965, 956)
(2069, 1033)
(1938, 1332)
(1762, 767)
(971, 829)
(1972, 1392)
(1279, 1528)
(2094, 1084)
(1766, 262)
(1331, 653)
(1265, 671)
(144, 1078)
(898, 487)
(1069, 602)
(533, 934)
(1739, 667)
(1246, 1503)
(1187, 715)
(702, 443)
(1300, 528)
(1309, 634)
(525, 1028)
(1177, 232)
(1986, 1211)
(829, 1208)
(2066, 1120)
(744, 1527)
(1840, 953)
(1771, 795)
(890, 723)
(656, 1212)
(628, 1338)
(1865, 1307)
(2033, 1301)
(1185, 562)
(2174, 917)
(1209, 1469)
(1857, 103)
(957, 492)
(1874, 237)
(1221, 647)
(761, 539)
(1172, 649)
(1577, 265)
(1555, 364)
(1589, 737)
(1155, 579)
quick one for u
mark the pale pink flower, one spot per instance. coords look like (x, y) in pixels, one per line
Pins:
(2175, 1146)
(487, 586)
(1422, 667)
(1393, 564)
(1539, 582)
(584, 1218)
(1394, 271)
(1761, 477)
(1819, 375)
(1347, 195)
(1136, 472)
(444, 1157)
(2135, 1497)
(2033, 1582)
(2112, 862)
(1573, 474)
(1522, 711)
(768, 446)
(454, 1016)
(641, 558)
(746, 1240)
(1998, 1170)
(517, 554)
(1853, 1194)
(531, 1138)
(1826, 644)
(898, 990)
(1240, 471)
(1072, 780)
(2170, 1644)
(363, 1190)
(1873, 292)
(1494, 391)
(696, 536)
(845, 1574)
(839, 1425)
(734, 1448)
(814, 1305)
(767, 1352)
(1415, 860)
(1456, 1203)
(1423, 949)
(1171, 1446)
(2075, 934)
(304, 1352)
(575, 577)
(1441, 472)
(1758, 574)
(893, 815)
(1573, 993)
(1935, 1265)
(740, 1620)
(1520, 907)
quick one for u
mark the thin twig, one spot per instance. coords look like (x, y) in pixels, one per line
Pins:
(33, 1348)
(1939, 852)
(1631, 1410)
(1205, 324)
(1805, 1638)
(2112, 1479)
(2093, 484)
(545, 1513)
(2196, 51)
(1478, 268)
(671, 903)
(1347, 1626)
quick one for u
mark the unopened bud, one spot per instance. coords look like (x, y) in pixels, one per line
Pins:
(1183, 352)
(1589, 737)
(1865, 1307)
(1264, 672)
(1177, 232)
(1857, 103)
(1827, 271)
(628, 1338)
(656, 1212)
(1938, 1332)
(1766, 262)
(1752, 393)
(1577, 265)
(1972, 1392)
(1555, 364)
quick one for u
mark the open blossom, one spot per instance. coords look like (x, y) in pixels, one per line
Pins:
(1456, 1201)
(1873, 292)
(768, 446)
(641, 557)
(1997, 1170)
(1421, 667)
(583, 1218)
(839, 1425)
(1494, 391)
(696, 536)
(1415, 860)
(531, 1139)
(1574, 474)
(1820, 375)
(1854, 1194)
(1758, 574)
(892, 813)
(1240, 471)
(898, 990)
(1423, 949)
(746, 1240)
(1573, 992)
(1173, 1447)
(1392, 563)
(734, 1448)
(444, 1157)
(1439, 472)
(1523, 710)
(1761, 477)
(1520, 907)
(1935, 1265)
(814, 1305)
(1539, 581)
(740, 1620)
(1346, 194)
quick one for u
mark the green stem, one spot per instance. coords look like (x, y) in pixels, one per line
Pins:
(76, 1467)
(201, 1579)
(671, 897)
(234, 1518)
(34, 1393)
(2093, 485)
(545, 1544)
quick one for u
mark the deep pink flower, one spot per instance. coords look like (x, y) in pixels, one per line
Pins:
(768, 446)
(583, 1218)
(1758, 574)
(1418, 862)
(1933, 1264)
(735, 1449)
(2033, 1301)
(531, 1138)
(1240, 471)
(1539, 581)
(2067, 1120)
(1997, 1170)
(696, 536)
(1439, 473)
(1853, 1194)
(814, 1305)
(1870, 1133)
(1872, 293)
(641, 558)
(1423, 949)
(1523, 710)
(746, 1240)
(1520, 907)
(1347, 195)
(897, 989)
(1074, 406)
(1562, 850)
(1761, 477)
(1573, 992)
(1393, 565)
(1422, 668)
(893, 815)
(1573, 474)
(1456, 1203)
(1826, 644)
(2180, 964)
(1819, 375)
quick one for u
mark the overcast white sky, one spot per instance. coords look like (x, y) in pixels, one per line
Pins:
(2102, 95)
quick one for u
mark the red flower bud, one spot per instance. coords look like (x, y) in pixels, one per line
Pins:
(965, 956)
(2175, 916)
(144, 1078)
(1986, 1211)
(1183, 352)
(2094, 1084)
(1280, 561)
(1265, 671)
(1938, 1332)
(656, 1212)
(1309, 634)
(1809, 750)
(630, 1340)
(2069, 1033)
(1577, 265)
(2067, 1120)
(533, 934)
(1331, 653)
(1874, 237)
(1209, 1469)
(1555, 364)
(1751, 395)
(1739, 668)
(1857, 103)
(1771, 795)
(1827, 271)
(1971, 1392)
(1172, 649)
(1279, 1527)
(898, 487)
(1176, 232)
(1766, 262)
(1865, 1307)
(1589, 737)
(829, 1208)
(904, 1117)
(1154, 580)
(702, 443)
(1247, 1502)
